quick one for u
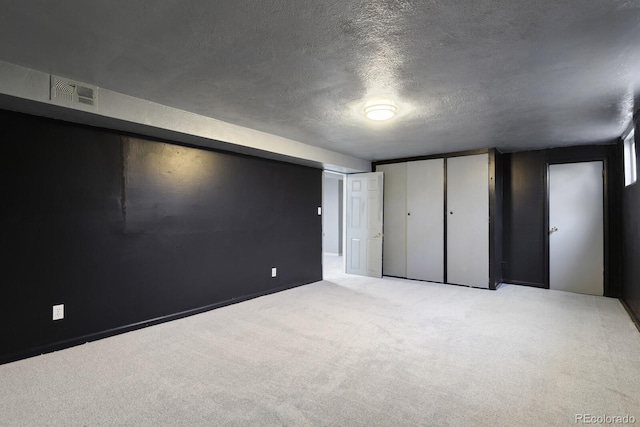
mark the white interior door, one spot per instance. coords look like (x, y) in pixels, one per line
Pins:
(425, 220)
(576, 221)
(394, 259)
(364, 224)
(468, 220)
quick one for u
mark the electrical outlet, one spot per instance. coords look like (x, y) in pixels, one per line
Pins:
(58, 312)
(274, 271)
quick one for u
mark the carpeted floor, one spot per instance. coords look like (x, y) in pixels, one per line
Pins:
(348, 351)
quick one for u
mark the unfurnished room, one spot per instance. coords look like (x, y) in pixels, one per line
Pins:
(320, 213)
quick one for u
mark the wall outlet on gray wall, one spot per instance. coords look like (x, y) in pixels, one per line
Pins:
(58, 312)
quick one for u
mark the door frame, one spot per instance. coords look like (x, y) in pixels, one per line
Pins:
(342, 219)
(605, 215)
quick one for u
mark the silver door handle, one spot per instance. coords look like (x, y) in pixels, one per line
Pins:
(377, 235)
(553, 230)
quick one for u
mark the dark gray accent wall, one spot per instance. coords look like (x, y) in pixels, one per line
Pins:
(630, 294)
(496, 194)
(523, 218)
(525, 222)
(128, 232)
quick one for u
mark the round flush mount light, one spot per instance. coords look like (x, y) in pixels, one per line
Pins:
(380, 111)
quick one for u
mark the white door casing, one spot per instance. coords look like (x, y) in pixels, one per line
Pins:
(468, 220)
(576, 222)
(331, 214)
(364, 224)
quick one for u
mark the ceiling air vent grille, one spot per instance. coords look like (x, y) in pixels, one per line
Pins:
(74, 94)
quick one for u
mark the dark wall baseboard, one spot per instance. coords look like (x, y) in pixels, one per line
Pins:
(632, 314)
(60, 345)
(523, 283)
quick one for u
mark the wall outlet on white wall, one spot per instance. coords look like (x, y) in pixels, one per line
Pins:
(58, 312)
(274, 271)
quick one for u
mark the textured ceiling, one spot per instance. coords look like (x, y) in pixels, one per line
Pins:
(466, 74)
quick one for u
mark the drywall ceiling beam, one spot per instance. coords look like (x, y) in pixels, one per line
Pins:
(25, 90)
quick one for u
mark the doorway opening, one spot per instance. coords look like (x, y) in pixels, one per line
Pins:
(333, 219)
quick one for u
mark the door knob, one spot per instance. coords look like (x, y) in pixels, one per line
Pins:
(553, 230)
(377, 235)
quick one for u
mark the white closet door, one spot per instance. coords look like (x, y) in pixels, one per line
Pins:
(425, 220)
(468, 220)
(394, 261)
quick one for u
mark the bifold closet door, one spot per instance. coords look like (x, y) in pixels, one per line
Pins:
(468, 220)
(394, 254)
(425, 220)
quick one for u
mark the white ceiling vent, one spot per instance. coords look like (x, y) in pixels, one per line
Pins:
(73, 94)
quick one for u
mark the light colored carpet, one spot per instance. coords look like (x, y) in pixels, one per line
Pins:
(348, 351)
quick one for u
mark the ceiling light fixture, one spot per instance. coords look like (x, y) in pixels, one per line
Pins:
(379, 111)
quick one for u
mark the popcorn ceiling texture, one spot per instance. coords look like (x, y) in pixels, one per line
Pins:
(466, 74)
